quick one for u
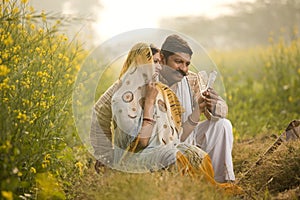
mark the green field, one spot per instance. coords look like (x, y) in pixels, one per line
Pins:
(42, 157)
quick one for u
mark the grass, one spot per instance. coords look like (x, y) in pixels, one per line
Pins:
(159, 185)
(277, 177)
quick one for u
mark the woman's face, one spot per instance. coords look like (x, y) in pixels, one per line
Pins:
(156, 58)
(157, 61)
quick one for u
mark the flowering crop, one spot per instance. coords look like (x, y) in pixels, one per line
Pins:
(38, 65)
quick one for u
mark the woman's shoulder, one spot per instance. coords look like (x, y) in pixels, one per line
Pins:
(105, 98)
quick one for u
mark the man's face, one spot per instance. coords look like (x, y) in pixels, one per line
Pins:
(179, 62)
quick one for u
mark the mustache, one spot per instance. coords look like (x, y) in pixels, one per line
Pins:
(181, 72)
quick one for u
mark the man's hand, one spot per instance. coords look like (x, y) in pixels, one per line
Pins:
(199, 102)
(211, 98)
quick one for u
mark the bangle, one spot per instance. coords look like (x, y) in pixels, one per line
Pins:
(193, 123)
(149, 120)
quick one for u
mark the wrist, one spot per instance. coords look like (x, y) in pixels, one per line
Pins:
(196, 113)
(192, 121)
(149, 101)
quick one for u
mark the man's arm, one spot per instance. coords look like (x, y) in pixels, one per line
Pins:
(218, 107)
(101, 134)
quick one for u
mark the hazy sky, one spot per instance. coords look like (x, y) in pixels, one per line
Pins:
(113, 17)
(133, 14)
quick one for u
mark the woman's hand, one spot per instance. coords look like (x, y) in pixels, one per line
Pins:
(151, 93)
(148, 121)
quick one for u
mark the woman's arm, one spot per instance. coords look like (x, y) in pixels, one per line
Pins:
(148, 121)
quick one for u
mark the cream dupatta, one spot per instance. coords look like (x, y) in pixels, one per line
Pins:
(127, 108)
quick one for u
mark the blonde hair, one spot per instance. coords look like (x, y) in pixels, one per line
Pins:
(139, 54)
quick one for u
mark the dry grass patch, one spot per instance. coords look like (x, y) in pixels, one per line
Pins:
(278, 174)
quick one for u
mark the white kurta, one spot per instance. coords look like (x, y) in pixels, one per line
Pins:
(213, 136)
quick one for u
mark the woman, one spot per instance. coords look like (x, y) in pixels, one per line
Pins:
(137, 147)
(101, 135)
(147, 124)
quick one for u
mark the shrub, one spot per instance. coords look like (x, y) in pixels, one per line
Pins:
(37, 71)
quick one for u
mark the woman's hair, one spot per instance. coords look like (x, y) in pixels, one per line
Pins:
(154, 49)
(140, 52)
(173, 44)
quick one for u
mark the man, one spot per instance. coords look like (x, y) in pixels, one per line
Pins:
(213, 135)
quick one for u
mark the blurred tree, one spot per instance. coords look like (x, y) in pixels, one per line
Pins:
(250, 24)
(81, 15)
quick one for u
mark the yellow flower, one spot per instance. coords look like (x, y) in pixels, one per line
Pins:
(4, 84)
(25, 102)
(20, 174)
(13, 87)
(8, 195)
(28, 16)
(290, 99)
(4, 70)
(47, 156)
(79, 165)
(5, 55)
(24, 1)
(15, 10)
(31, 8)
(41, 30)
(46, 161)
(32, 26)
(25, 84)
(16, 48)
(38, 49)
(43, 16)
(8, 41)
(39, 74)
(19, 26)
(49, 66)
(51, 125)
(32, 170)
(22, 117)
(43, 104)
(298, 70)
